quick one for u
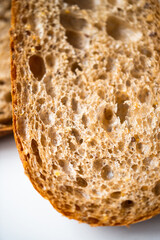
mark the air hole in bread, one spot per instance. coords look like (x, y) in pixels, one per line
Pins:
(121, 146)
(110, 64)
(49, 86)
(122, 111)
(24, 20)
(95, 66)
(108, 114)
(82, 4)
(131, 1)
(134, 167)
(121, 30)
(127, 204)
(36, 125)
(92, 143)
(156, 189)
(38, 47)
(2, 82)
(68, 214)
(144, 188)
(46, 40)
(71, 145)
(75, 66)
(43, 140)
(158, 147)
(19, 87)
(45, 116)
(158, 136)
(37, 66)
(79, 193)
(116, 195)
(72, 22)
(92, 220)
(40, 185)
(128, 83)
(64, 166)
(98, 25)
(50, 89)
(22, 71)
(19, 38)
(22, 126)
(77, 207)
(136, 73)
(28, 33)
(50, 60)
(50, 33)
(42, 177)
(34, 88)
(144, 95)
(77, 136)
(107, 173)
(49, 192)
(67, 206)
(122, 107)
(81, 182)
(98, 164)
(121, 97)
(145, 51)
(25, 94)
(64, 100)
(84, 120)
(52, 135)
(147, 161)
(74, 105)
(35, 150)
(102, 76)
(54, 166)
(139, 147)
(101, 93)
(7, 97)
(69, 189)
(82, 94)
(113, 2)
(77, 40)
(41, 101)
(107, 119)
(80, 170)
(31, 22)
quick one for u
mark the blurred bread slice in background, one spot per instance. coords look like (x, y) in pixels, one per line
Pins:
(5, 85)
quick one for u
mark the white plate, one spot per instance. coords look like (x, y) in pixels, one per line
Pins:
(25, 215)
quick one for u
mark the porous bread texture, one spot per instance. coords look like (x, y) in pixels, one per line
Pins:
(86, 109)
(5, 81)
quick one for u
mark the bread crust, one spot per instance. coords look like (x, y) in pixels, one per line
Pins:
(22, 151)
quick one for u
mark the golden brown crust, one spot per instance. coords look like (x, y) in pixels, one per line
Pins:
(24, 157)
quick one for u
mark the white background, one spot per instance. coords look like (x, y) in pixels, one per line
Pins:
(25, 215)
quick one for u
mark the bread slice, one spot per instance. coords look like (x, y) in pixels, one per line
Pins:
(86, 105)
(5, 130)
(5, 81)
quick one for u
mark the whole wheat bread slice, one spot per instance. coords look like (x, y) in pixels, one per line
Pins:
(86, 109)
(5, 81)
